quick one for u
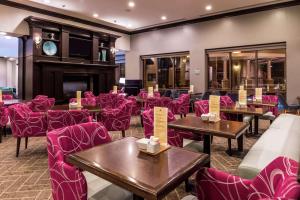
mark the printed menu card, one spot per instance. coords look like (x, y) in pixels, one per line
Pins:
(258, 94)
(214, 105)
(115, 89)
(161, 124)
(150, 92)
(243, 97)
(78, 95)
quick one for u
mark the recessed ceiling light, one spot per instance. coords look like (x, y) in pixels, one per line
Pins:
(131, 4)
(163, 17)
(236, 52)
(95, 15)
(208, 7)
(7, 37)
(46, 1)
(129, 25)
(2, 33)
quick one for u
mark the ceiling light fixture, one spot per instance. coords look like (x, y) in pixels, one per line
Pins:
(7, 37)
(131, 4)
(46, 1)
(2, 33)
(129, 25)
(236, 52)
(95, 15)
(208, 7)
(163, 17)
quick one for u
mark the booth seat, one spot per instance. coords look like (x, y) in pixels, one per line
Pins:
(281, 139)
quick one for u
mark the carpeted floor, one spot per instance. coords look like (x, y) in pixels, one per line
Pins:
(27, 178)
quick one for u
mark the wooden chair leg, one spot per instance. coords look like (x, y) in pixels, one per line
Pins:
(181, 116)
(229, 147)
(18, 146)
(123, 134)
(26, 142)
(142, 122)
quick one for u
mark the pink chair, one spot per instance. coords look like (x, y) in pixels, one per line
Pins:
(89, 94)
(104, 100)
(63, 118)
(25, 123)
(67, 181)
(117, 119)
(3, 119)
(181, 106)
(136, 106)
(271, 99)
(41, 103)
(152, 102)
(7, 97)
(277, 181)
(85, 101)
(165, 102)
(174, 137)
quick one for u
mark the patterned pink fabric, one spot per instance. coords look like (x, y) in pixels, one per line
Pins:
(202, 107)
(85, 101)
(226, 101)
(110, 100)
(41, 103)
(63, 118)
(136, 106)
(67, 181)
(182, 105)
(165, 102)
(7, 97)
(144, 95)
(3, 115)
(277, 181)
(174, 137)
(152, 102)
(271, 99)
(117, 119)
(25, 123)
(89, 94)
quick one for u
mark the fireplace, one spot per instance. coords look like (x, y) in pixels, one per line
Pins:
(76, 82)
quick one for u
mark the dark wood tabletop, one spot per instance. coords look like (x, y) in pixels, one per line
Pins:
(66, 107)
(223, 128)
(247, 110)
(149, 177)
(257, 103)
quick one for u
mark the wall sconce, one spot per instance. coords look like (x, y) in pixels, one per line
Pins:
(38, 41)
(113, 50)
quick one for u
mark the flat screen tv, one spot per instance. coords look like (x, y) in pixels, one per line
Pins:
(79, 47)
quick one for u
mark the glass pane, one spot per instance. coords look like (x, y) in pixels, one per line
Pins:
(243, 69)
(218, 71)
(165, 72)
(271, 70)
(182, 71)
(150, 69)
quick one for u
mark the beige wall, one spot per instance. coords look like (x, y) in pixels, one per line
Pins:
(263, 27)
(12, 22)
(8, 73)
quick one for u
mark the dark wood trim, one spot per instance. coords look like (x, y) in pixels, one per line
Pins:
(62, 16)
(219, 16)
(171, 25)
(165, 54)
(244, 47)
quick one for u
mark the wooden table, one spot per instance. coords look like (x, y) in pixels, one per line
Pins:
(149, 177)
(261, 104)
(14, 101)
(223, 128)
(256, 112)
(93, 109)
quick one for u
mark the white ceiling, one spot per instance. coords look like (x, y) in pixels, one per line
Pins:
(146, 13)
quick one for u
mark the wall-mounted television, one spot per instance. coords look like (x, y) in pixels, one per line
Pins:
(80, 47)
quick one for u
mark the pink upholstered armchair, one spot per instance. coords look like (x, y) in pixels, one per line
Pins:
(136, 106)
(41, 103)
(271, 99)
(181, 106)
(85, 101)
(117, 119)
(277, 181)
(67, 181)
(174, 137)
(151, 102)
(165, 102)
(3, 119)
(7, 96)
(89, 94)
(25, 123)
(62, 118)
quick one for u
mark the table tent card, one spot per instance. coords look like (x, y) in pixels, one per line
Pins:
(241, 87)
(156, 88)
(191, 90)
(258, 94)
(243, 98)
(161, 125)
(1, 95)
(150, 92)
(115, 89)
(78, 96)
(214, 107)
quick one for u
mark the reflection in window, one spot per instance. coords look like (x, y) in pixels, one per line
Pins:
(255, 66)
(166, 71)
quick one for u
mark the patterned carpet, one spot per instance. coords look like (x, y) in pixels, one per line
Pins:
(27, 178)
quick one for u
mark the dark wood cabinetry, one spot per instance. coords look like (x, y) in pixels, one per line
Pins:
(80, 53)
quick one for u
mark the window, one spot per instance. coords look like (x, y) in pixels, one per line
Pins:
(250, 66)
(168, 70)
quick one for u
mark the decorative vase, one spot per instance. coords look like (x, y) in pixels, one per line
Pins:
(103, 55)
